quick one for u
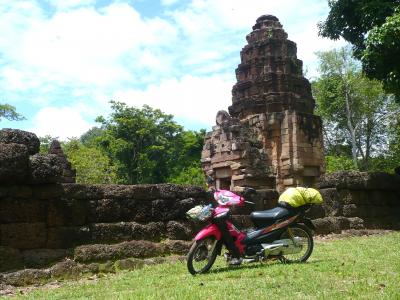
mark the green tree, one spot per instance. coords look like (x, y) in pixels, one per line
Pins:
(92, 166)
(381, 57)
(354, 108)
(372, 27)
(8, 112)
(140, 143)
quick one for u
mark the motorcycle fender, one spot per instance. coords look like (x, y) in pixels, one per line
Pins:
(308, 223)
(210, 230)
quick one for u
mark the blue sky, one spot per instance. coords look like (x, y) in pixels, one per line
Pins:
(61, 62)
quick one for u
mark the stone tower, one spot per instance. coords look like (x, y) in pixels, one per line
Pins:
(270, 139)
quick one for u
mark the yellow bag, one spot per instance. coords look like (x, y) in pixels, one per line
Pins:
(299, 196)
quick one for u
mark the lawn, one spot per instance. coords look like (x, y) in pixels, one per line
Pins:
(357, 267)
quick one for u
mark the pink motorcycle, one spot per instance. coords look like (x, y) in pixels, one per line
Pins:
(282, 233)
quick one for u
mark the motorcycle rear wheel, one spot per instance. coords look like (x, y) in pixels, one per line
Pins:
(202, 255)
(303, 234)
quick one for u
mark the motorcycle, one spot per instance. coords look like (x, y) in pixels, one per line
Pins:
(282, 233)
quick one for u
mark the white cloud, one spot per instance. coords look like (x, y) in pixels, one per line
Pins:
(61, 122)
(196, 99)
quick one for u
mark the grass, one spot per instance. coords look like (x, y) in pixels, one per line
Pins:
(351, 268)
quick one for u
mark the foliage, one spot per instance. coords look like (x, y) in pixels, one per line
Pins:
(372, 27)
(365, 267)
(193, 175)
(45, 142)
(338, 163)
(8, 112)
(147, 146)
(355, 109)
(92, 166)
(381, 58)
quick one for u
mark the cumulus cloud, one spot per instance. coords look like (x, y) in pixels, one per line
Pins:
(60, 122)
(195, 99)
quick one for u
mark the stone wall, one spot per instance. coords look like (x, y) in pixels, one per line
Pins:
(358, 200)
(45, 216)
(43, 223)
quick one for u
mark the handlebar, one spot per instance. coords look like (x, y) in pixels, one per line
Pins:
(249, 202)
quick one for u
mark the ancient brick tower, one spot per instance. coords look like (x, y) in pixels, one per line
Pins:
(270, 139)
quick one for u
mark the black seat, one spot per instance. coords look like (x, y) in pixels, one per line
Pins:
(267, 217)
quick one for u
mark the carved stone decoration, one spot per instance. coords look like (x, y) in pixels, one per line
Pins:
(270, 139)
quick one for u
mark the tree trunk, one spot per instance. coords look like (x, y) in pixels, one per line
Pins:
(351, 128)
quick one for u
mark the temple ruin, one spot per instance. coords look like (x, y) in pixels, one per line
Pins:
(270, 139)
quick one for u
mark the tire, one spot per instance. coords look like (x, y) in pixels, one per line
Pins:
(202, 252)
(299, 231)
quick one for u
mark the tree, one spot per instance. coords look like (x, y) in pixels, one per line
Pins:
(372, 27)
(8, 112)
(140, 143)
(354, 108)
(92, 166)
(381, 57)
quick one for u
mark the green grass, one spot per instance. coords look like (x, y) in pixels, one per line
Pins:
(359, 267)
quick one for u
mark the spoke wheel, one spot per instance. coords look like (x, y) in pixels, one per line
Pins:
(301, 237)
(202, 255)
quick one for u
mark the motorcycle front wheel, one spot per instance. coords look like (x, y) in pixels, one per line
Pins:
(301, 237)
(202, 255)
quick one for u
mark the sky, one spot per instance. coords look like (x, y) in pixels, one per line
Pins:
(61, 62)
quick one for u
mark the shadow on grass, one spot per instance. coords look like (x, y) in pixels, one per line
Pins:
(259, 265)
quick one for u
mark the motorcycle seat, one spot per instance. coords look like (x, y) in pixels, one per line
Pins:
(271, 214)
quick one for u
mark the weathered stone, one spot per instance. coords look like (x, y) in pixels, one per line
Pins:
(178, 247)
(68, 175)
(356, 223)
(179, 230)
(24, 235)
(101, 252)
(14, 161)
(45, 168)
(270, 139)
(10, 259)
(13, 210)
(42, 257)
(332, 204)
(26, 277)
(16, 136)
(47, 191)
(84, 191)
(66, 212)
(67, 237)
(331, 225)
(20, 191)
(68, 269)
(129, 264)
(126, 231)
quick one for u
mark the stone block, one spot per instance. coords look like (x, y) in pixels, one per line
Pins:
(20, 191)
(333, 204)
(14, 210)
(178, 247)
(16, 136)
(45, 168)
(47, 191)
(84, 191)
(179, 230)
(66, 212)
(135, 249)
(67, 237)
(126, 231)
(26, 277)
(24, 235)
(14, 162)
(42, 257)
